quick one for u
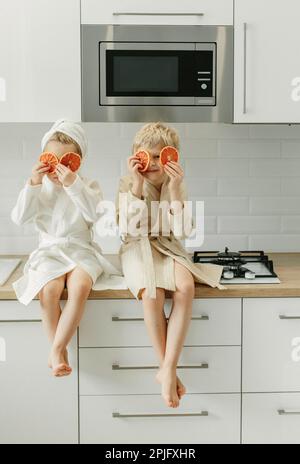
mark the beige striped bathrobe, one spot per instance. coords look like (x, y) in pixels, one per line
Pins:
(147, 260)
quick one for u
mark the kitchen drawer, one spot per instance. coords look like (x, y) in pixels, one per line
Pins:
(11, 310)
(271, 418)
(105, 371)
(120, 323)
(271, 327)
(145, 419)
(209, 12)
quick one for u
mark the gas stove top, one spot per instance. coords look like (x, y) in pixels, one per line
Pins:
(244, 267)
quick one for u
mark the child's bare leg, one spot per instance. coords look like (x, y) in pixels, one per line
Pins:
(79, 285)
(51, 311)
(177, 329)
(156, 324)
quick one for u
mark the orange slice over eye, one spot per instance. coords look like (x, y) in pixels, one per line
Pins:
(169, 154)
(144, 159)
(71, 160)
(50, 159)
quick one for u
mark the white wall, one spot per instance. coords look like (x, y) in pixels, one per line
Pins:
(248, 175)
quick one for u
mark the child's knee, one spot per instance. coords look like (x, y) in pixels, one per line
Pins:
(187, 288)
(82, 288)
(51, 291)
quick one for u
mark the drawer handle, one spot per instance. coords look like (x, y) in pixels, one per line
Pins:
(283, 412)
(134, 13)
(134, 319)
(117, 415)
(117, 367)
(288, 317)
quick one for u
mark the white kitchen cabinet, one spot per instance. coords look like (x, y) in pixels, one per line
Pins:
(105, 371)
(36, 408)
(145, 419)
(168, 12)
(266, 69)
(120, 323)
(271, 345)
(39, 60)
(271, 418)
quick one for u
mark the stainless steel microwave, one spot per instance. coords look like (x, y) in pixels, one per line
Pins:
(146, 73)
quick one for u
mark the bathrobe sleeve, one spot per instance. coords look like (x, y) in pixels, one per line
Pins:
(86, 195)
(181, 223)
(27, 205)
(129, 206)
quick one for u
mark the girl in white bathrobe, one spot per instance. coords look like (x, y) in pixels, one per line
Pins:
(63, 207)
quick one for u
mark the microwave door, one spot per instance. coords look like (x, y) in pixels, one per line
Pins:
(146, 74)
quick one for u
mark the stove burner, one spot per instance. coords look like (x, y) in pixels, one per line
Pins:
(235, 265)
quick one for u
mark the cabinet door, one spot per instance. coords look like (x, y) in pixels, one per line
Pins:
(121, 323)
(145, 419)
(166, 12)
(267, 74)
(36, 408)
(105, 371)
(39, 60)
(271, 418)
(271, 344)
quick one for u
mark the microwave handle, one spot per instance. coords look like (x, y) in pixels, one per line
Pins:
(245, 69)
(128, 13)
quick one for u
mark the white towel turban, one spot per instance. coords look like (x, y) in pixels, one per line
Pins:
(70, 128)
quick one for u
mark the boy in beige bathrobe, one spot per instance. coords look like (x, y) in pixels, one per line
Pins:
(155, 262)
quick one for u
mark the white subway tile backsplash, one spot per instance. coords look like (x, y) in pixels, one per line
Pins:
(249, 149)
(279, 243)
(10, 149)
(248, 186)
(273, 131)
(201, 167)
(249, 224)
(219, 242)
(275, 205)
(290, 149)
(275, 167)
(247, 175)
(199, 187)
(198, 148)
(290, 224)
(214, 206)
(216, 131)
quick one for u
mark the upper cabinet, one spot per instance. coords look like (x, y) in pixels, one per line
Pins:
(267, 69)
(165, 12)
(39, 60)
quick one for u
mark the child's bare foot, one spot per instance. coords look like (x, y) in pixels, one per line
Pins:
(181, 390)
(60, 366)
(66, 358)
(167, 378)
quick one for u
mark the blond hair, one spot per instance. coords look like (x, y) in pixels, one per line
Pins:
(63, 138)
(155, 133)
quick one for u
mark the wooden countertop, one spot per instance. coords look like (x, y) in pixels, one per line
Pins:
(286, 265)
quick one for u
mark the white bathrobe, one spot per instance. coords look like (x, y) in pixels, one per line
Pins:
(64, 217)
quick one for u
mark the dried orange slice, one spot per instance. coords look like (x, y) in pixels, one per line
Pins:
(50, 159)
(169, 154)
(71, 160)
(144, 158)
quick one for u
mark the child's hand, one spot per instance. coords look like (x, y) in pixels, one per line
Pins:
(38, 172)
(65, 175)
(175, 172)
(133, 166)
